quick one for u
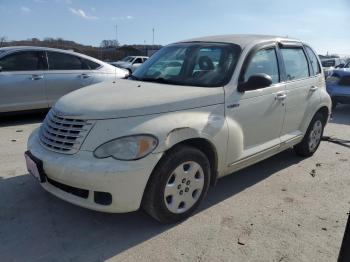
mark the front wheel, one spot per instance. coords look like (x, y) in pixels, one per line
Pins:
(312, 139)
(178, 184)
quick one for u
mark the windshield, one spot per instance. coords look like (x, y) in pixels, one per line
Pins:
(127, 59)
(347, 65)
(195, 64)
(328, 63)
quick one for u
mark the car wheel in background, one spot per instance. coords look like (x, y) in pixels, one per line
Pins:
(177, 185)
(334, 104)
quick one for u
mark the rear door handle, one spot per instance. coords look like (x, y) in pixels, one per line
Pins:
(84, 76)
(313, 88)
(37, 77)
(281, 96)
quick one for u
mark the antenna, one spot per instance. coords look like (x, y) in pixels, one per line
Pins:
(153, 36)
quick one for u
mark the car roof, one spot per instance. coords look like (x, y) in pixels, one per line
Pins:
(39, 48)
(242, 40)
(11, 48)
(137, 56)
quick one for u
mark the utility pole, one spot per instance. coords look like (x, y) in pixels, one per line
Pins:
(153, 36)
(116, 34)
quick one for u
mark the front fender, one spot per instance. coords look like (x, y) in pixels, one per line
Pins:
(170, 128)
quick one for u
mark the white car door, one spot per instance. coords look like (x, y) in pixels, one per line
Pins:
(302, 87)
(22, 83)
(67, 72)
(259, 113)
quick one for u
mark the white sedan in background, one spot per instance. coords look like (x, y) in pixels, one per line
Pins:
(130, 63)
(35, 77)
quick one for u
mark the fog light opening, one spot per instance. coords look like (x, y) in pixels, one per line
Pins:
(102, 198)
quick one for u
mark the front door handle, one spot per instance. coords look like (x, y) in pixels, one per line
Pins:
(83, 76)
(37, 77)
(281, 96)
(313, 88)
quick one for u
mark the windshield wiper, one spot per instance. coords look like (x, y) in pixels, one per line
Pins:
(160, 80)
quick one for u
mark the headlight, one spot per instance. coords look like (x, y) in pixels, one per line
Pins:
(127, 148)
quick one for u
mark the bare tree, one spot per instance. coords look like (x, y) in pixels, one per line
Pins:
(3, 40)
(109, 43)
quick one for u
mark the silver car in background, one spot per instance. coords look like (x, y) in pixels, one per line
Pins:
(35, 77)
(130, 63)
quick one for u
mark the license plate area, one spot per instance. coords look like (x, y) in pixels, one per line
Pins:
(35, 167)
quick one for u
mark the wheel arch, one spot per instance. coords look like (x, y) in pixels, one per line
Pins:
(323, 109)
(209, 150)
(205, 146)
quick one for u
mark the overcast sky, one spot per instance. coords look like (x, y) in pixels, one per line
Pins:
(322, 23)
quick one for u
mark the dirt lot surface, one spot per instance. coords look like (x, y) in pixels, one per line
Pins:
(285, 208)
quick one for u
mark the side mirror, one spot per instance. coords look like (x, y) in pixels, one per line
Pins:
(254, 82)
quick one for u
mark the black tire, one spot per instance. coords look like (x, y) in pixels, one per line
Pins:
(334, 104)
(303, 148)
(130, 72)
(153, 200)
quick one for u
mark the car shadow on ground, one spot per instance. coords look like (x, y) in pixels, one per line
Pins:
(35, 226)
(341, 115)
(16, 119)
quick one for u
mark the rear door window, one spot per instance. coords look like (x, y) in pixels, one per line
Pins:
(314, 61)
(263, 61)
(138, 61)
(23, 61)
(90, 64)
(62, 61)
(295, 63)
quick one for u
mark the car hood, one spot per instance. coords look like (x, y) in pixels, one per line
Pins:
(127, 98)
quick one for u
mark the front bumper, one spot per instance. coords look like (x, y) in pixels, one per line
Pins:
(125, 181)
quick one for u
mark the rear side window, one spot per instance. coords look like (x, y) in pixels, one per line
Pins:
(23, 61)
(138, 61)
(314, 62)
(90, 64)
(61, 61)
(263, 61)
(295, 63)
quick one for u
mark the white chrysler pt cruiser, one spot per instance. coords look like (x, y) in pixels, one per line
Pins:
(196, 111)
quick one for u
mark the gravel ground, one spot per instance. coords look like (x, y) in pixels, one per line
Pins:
(285, 208)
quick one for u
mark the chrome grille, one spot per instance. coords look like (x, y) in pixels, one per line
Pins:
(63, 134)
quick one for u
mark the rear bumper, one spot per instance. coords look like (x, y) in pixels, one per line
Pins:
(125, 181)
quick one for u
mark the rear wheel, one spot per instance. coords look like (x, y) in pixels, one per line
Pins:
(312, 139)
(178, 185)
